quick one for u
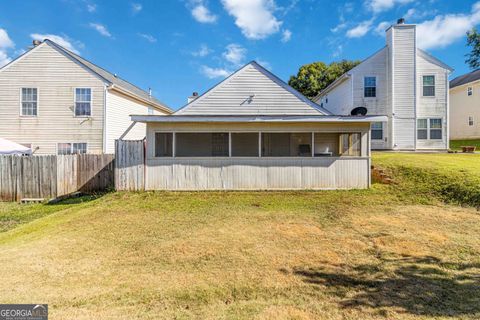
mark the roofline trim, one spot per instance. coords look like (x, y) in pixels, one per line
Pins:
(256, 119)
(132, 95)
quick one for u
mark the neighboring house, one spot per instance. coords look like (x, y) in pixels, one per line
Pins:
(465, 106)
(56, 102)
(404, 83)
(253, 131)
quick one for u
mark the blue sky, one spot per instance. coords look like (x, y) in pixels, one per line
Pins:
(180, 46)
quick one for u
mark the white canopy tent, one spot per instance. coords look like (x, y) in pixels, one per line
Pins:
(8, 147)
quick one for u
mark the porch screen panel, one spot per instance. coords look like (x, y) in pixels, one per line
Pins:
(245, 144)
(163, 144)
(201, 144)
(350, 144)
(326, 144)
(286, 144)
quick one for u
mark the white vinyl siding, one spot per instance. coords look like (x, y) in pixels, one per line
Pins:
(55, 77)
(29, 102)
(249, 91)
(119, 108)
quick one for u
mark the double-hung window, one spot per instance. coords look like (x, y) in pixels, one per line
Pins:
(377, 131)
(469, 91)
(71, 148)
(470, 121)
(429, 129)
(83, 102)
(429, 86)
(29, 102)
(370, 87)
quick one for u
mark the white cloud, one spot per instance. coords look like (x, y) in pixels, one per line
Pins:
(254, 17)
(202, 52)
(91, 7)
(5, 43)
(201, 13)
(101, 29)
(63, 41)
(136, 7)
(286, 36)
(384, 5)
(381, 27)
(213, 73)
(235, 54)
(360, 30)
(338, 27)
(148, 37)
(445, 29)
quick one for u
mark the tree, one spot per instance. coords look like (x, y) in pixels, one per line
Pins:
(473, 41)
(312, 78)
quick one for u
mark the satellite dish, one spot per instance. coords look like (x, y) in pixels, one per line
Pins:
(359, 111)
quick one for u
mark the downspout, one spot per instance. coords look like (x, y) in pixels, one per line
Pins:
(104, 138)
(447, 96)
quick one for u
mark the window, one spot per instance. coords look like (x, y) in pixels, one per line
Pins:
(470, 121)
(436, 129)
(163, 144)
(71, 148)
(326, 144)
(422, 129)
(429, 86)
(370, 87)
(245, 144)
(377, 131)
(201, 144)
(29, 102)
(429, 129)
(286, 144)
(350, 144)
(83, 102)
(469, 91)
(326, 100)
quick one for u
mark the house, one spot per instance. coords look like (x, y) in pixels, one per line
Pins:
(465, 106)
(403, 82)
(55, 102)
(254, 132)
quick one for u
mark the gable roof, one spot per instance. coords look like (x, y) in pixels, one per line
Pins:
(427, 56)
(252, 90)
(466, 78)
(108, 77)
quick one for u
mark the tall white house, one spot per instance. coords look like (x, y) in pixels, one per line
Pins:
(402, 82)
(56, 102)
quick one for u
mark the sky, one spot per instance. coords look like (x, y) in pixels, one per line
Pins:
(177, 47)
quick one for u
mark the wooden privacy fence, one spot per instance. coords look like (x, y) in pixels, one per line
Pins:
(130, 165)
(47, 177)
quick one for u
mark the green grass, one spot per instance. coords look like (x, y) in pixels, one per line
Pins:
(391, 252)
(457, 144)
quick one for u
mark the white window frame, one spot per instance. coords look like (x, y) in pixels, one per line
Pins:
(471, 121)
(429, 128)
(364, 87)
(371, 129)
(469, 91)
(71, 147)
(434, 86)
(21, 102)
(75, 102)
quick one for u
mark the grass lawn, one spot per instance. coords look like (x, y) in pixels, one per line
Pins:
(457, 144)
(406, 251)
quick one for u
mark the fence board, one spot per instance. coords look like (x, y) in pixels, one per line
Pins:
(129, 165)
(49, 177)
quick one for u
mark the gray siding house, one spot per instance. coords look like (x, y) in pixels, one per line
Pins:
(254, 132)
(55, 102)
(402, 82)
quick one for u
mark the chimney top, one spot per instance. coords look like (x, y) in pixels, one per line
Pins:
(195, 94)
(192, 97)
(150, 92)
(36, 42)
(401, 21)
